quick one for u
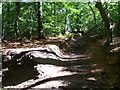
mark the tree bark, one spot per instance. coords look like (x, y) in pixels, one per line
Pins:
(54, 14)
(93, 16)
(77, 26)
(16, 20)
(31, 22)
(6, 31)
(106, 22)
(118, 18)
(40, 27)
(66, 25)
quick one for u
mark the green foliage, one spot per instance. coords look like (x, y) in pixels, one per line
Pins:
(56, 17)
(115, 16)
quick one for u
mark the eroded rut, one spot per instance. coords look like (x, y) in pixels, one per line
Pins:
(38, 69)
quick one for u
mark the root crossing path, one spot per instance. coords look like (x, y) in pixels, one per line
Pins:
(48, 67)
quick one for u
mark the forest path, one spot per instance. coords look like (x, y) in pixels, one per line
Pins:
(50, 72)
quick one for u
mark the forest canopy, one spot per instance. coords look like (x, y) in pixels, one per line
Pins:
(30, 19)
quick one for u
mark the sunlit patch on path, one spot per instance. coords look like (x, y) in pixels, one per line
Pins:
(47, 66)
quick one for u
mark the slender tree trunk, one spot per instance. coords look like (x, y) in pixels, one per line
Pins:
(77, 26)
(1, 28)
(93, 16)
(118, 18)
(40, 27)
(66, 17)
(107, 12)
(16, 20)
(66, 26)
(32, 23)
(6, 31)
(106, 22)
(54, 14)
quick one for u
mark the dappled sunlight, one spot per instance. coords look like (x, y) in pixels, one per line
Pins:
(60, 44)
(49, 51)
(51, 67)
(91, 79)
(96, 70)
(52, 71)
(39, 54)
(45, 72)
(53, 84)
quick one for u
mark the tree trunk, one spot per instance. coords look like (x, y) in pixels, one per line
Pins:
(1, 25)
(31, 22)
(54, 15)
(40, 27)
(106, 22)
(118, 19)
(77, 26)
(107, 12)
(6, 30)
(94, 16)
(66, 24)
(16, 19)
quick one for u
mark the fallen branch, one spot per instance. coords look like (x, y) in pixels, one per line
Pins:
(114, 45)
(15, 54)
(115, 50)
(43, 81)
